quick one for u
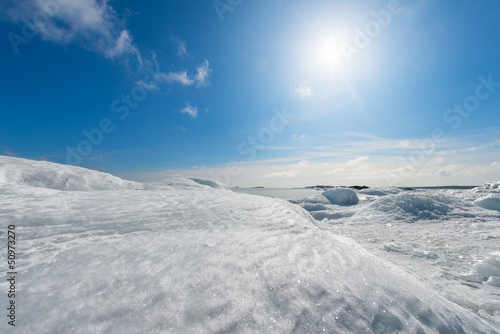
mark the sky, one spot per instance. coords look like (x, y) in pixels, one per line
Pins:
(256, 93)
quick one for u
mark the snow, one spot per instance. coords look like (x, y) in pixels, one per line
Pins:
(208, 182)
(380, 191)
(182, 257)
(409, 207)
(341, 196)
(436, 235)
(490, 202)
(491, 186)
(16, 171)
(487, 270)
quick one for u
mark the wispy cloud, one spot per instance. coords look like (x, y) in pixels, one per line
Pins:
(201, 78)
(93, 24)
(179, 128)
(203, 74)
(178, 77)
(303, 90)
(181, 49)
(9, 152)
(287, 173)
(357, 161)
(190, 110)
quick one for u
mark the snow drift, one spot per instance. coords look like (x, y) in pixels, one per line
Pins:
(490, 202)
(16, 171)
(409, 207)
(208, 182)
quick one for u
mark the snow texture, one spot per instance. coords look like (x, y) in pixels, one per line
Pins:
(182, 257)
(439, 236)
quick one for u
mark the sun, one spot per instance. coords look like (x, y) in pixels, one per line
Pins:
(327, 54)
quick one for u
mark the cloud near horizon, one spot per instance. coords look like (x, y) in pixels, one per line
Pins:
(383, 163)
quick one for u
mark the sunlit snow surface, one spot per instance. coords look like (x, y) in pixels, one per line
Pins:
(188, 256)
(444, 237)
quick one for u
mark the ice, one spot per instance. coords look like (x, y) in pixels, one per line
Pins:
(490, 202)
(208, 182)
(16, 171)
(487, 270)
(408, 207)
(494, 281)
(380, 191)
(437, 235)
(178, 256)
(489, 267)
(341, 196)
(490, 186)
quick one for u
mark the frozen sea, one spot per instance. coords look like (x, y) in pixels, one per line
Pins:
(98, 254)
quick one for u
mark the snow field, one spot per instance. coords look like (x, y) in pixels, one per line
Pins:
(180, 256)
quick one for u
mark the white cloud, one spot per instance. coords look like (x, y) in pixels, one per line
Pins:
(181, 49)
(302, 136)
(201, 78)
(357, 161)
(93, 24)
(179, 77)
(179, 128)
(286, 173)
(375, 172)
(190, 110)
(152, 85)
(203, 74)
(303, 90)
(460, 160)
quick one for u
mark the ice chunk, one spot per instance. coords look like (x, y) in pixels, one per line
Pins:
(341, 196)
(494, 281)
(490, 202)
(488, 267)
(209, 182)
(487, 270)
(490, 186)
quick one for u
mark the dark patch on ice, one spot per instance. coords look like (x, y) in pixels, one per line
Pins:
(382, 321)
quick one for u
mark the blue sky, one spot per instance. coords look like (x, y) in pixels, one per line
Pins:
(273, 93)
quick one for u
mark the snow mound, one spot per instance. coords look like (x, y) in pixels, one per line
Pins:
(209, 182)
(486, 271)
(408, 207)
(490, 186)
(380, 191)
(330, 214)
(373, 192)
(341, 196)
(43, 174)
(490, 202)
(308, 206)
